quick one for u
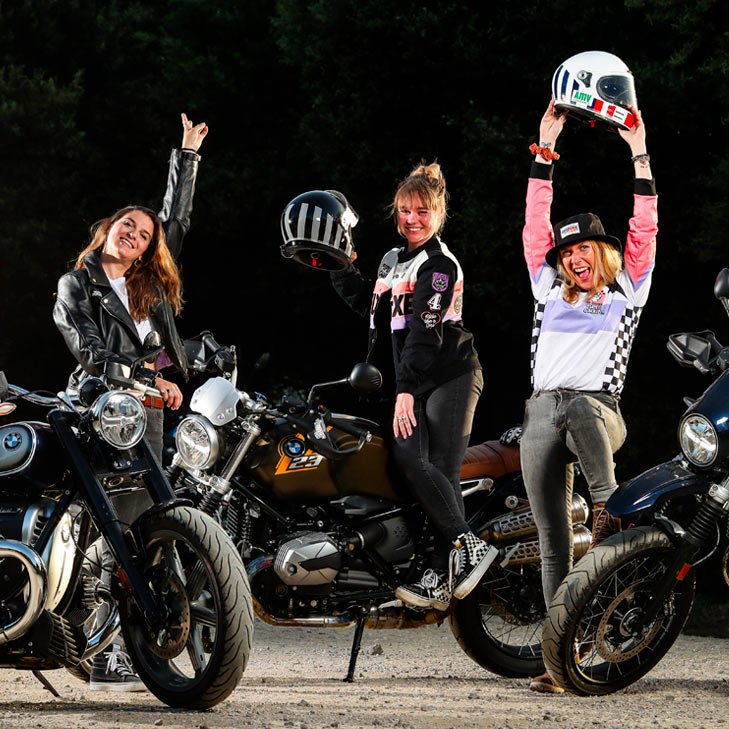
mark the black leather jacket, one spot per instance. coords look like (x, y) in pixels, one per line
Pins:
(90, 316)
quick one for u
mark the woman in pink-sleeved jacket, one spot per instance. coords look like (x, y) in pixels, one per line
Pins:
(588, 301)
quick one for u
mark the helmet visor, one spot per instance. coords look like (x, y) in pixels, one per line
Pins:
(617, 90)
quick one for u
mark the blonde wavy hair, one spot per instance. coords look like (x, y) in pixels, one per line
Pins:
(608, 264)
(156, 276)
(428, 183)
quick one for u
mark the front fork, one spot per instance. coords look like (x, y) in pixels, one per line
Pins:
(699, 533)
(106, 517)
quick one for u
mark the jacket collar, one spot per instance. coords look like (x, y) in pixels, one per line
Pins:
(92, 264)
(110, 300)
(432, 244)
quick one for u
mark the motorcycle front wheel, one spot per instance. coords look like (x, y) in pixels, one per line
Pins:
(499, 625)
(589, 645)
(196, 658)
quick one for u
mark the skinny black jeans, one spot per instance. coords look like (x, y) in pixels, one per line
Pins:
(430, 459)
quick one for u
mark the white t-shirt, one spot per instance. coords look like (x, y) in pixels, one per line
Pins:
(119, 285)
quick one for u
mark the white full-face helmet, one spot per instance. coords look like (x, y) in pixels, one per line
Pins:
(597, 86)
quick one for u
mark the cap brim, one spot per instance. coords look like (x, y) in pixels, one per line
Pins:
(551, 256)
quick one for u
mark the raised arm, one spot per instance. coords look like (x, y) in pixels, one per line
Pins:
(177, 203)
(640, 245)
(537, 234)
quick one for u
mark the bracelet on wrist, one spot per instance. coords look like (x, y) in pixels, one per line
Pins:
(544, 152)
(643, 159)
(189, 149)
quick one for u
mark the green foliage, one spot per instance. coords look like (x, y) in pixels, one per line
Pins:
(351, 94)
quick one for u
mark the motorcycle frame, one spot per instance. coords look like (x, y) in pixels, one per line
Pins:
(106, 518)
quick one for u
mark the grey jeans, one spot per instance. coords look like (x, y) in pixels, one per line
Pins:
(561, 426)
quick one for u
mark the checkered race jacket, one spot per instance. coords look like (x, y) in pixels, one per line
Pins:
(586, 345)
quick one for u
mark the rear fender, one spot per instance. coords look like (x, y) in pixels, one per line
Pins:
(647, 493)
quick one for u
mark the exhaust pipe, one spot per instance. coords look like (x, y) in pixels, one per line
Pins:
(37, 587)
(519, 524)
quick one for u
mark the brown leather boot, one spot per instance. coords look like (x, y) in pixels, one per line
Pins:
(604, 524)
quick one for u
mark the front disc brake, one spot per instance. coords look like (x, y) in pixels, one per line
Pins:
(169, 640)
(614, 629)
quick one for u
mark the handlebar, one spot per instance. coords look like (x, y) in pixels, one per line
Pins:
(318, 437)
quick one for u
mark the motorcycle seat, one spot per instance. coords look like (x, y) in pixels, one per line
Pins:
(491, 458)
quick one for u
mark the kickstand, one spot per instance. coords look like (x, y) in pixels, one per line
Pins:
(356, 643)
(46, 683)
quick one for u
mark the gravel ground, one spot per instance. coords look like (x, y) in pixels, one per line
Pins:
(406, 679)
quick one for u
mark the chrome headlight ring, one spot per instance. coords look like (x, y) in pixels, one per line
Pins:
(119, 419)
(698, 439)
(198, 442)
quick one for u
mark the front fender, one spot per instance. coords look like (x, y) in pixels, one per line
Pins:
(647, 492)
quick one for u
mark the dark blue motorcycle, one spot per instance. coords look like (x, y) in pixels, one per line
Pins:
(624, 604)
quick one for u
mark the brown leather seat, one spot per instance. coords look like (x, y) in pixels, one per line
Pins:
(490, 459)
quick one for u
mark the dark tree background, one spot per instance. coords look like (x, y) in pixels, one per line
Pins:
(350, 94)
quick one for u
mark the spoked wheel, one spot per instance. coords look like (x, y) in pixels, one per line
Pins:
(499, 625)
(591, 644)
(196, 658)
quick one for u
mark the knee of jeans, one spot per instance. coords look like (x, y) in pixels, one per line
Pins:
(580, 412)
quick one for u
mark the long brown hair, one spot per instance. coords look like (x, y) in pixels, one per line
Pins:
(428, 183)
(152, 277)
(608, 264)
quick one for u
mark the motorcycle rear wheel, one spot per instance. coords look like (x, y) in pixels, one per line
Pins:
(499, 625)
(588, 647)
(197, 658)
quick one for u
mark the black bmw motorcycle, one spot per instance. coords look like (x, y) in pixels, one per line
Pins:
(327, 531)
(624, 604)
(177, 588)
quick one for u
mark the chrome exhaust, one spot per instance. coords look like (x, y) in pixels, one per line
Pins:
(37, 587)
(529, 553)
(519, 523)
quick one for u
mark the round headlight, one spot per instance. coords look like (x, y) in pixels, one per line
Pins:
(698, 440)
(119, 418)
(197, 442)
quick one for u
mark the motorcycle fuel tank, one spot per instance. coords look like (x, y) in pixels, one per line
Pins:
(284, 462)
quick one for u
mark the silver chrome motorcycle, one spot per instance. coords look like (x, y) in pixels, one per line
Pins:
(327, 531)
(177, 590)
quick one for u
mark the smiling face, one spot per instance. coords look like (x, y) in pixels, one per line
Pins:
(129, 237)
(578, 261)
(416, 223)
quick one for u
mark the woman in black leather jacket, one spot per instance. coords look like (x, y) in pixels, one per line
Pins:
(126, 283)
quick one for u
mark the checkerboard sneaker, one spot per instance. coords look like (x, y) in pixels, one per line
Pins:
(433, 591)
(469, 561)
(112, 671)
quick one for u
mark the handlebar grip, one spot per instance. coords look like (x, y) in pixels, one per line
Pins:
(209, 341)
(354, 430)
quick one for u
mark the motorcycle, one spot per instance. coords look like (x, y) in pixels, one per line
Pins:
(172, 582)
(327, 531)
(624, 604)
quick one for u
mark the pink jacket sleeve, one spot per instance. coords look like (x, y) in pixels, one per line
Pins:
(537, 235)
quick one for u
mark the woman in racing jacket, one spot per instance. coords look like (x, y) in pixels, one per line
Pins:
(587, 307)
(418, 296)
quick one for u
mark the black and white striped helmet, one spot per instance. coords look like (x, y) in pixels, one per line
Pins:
(317, 230)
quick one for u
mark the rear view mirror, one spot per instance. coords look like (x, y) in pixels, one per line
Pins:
(721, 285)
(365, 377)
